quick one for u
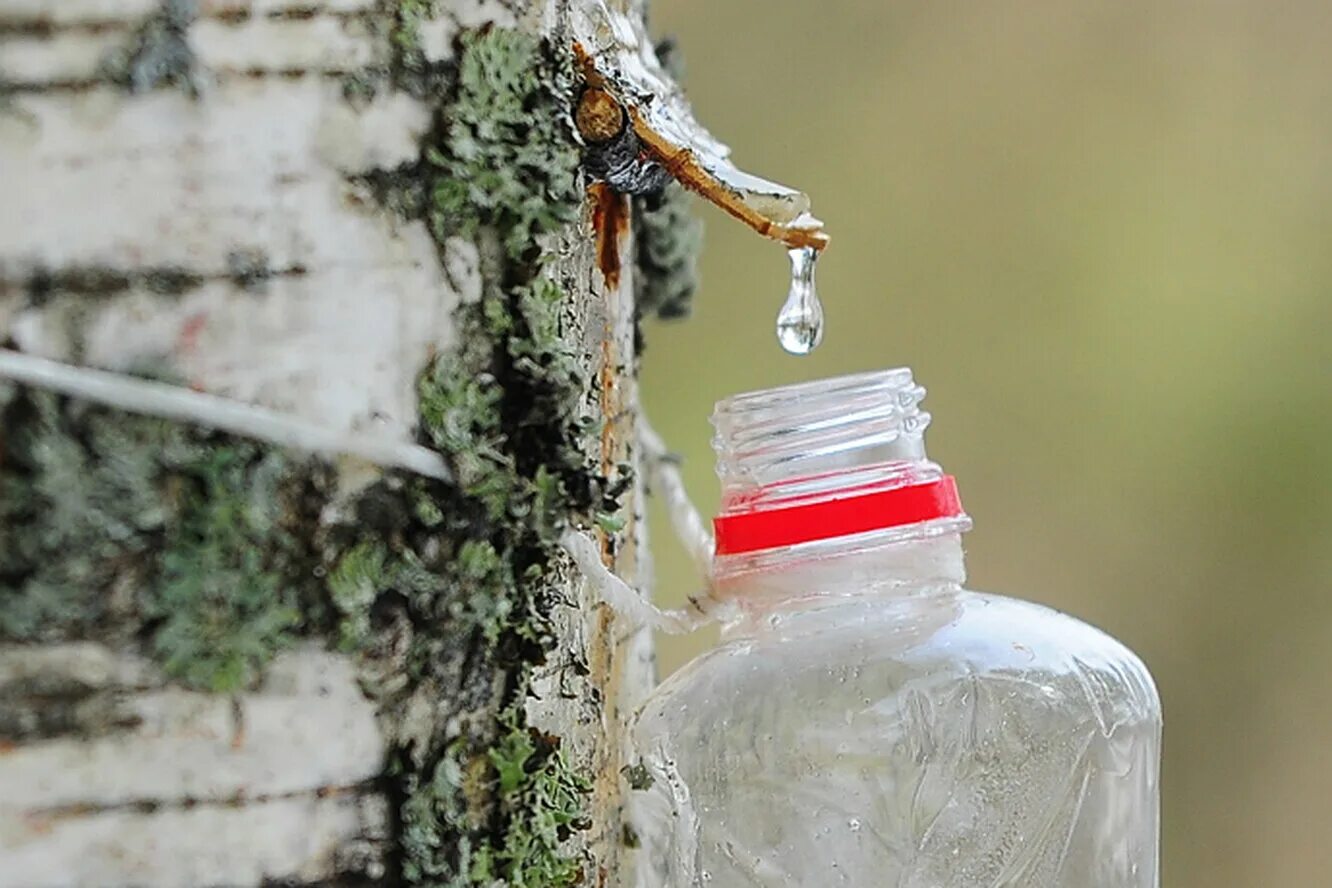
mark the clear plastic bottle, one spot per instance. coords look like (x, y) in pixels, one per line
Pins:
(866, 721)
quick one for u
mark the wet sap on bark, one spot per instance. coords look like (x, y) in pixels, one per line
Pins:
(800, 322)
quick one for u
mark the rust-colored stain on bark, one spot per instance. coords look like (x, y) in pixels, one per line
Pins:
(608, 639)
(187, 339)
(610, 220)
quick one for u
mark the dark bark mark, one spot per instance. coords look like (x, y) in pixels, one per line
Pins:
(28, 713)
(246, 269)
(44, 28)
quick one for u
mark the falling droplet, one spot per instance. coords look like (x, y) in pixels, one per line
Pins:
(800, 322)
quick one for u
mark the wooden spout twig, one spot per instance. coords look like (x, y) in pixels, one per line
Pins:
(630, 95)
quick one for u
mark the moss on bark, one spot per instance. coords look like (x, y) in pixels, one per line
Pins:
(492, 800)
(496, 800)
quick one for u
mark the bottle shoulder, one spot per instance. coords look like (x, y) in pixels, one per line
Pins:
(929, 643)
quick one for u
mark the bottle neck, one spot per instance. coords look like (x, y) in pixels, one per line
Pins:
(835, 572)
(827, 491)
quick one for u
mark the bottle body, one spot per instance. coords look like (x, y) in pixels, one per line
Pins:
(922, 737)
(867, 721)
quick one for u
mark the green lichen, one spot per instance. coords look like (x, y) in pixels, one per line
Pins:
(495, 806)
(505, 158)
(500, 160)
(411, 71)
(477, 811)
(222, 597)
(204, 548)
(411, 15)
(521, 780)
(361, 575)
(115, 527)
(80, 507)
(638, 776)
(497, 813)
(514, 335)
(544, 800)
(608, 522)
(481, 573)
(460, 398)
(159, 53)
(435, 810)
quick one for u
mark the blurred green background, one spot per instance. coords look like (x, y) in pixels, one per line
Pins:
(1101, 234)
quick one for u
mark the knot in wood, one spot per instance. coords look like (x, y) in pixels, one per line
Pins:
(599, 116)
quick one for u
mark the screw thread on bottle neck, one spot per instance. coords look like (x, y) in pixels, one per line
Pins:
(771, 442)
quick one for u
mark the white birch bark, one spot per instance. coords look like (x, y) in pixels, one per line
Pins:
(254, 176)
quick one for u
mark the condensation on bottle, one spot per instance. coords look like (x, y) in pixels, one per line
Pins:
(866, 719)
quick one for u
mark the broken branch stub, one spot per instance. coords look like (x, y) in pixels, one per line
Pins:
(618, 61)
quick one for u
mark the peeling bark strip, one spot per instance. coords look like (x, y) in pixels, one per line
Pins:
(227, 662)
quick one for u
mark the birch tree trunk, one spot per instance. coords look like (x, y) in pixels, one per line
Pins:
(227, 660)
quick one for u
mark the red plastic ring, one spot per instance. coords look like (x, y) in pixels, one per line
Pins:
(844, 516)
